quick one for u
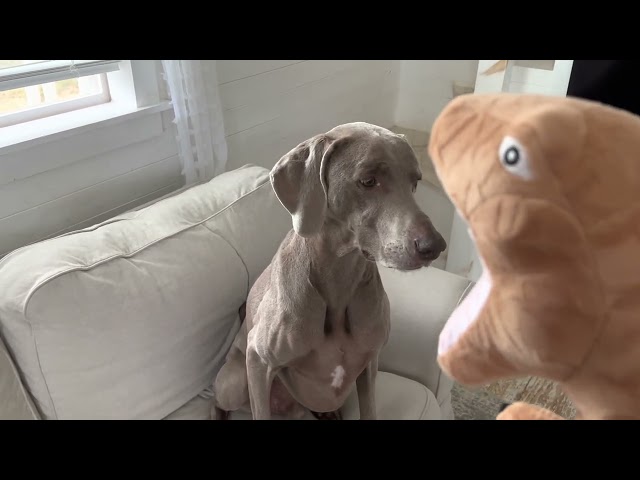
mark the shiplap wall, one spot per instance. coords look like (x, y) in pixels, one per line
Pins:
(103, 179)
(426, 86)
(272, 105)
(269, 107)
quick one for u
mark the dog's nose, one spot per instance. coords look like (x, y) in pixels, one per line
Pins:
(430, 246)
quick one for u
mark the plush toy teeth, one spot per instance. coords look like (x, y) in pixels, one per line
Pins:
(466, 313)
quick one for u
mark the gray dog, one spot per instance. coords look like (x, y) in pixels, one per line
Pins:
(318, 316)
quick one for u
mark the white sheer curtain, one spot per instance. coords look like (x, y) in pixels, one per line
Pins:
(193, 87)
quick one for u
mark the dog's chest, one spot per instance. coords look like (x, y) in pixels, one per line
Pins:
(356, 319)
(342, 339)
(360, 326)
(345, 347)
(335, 362)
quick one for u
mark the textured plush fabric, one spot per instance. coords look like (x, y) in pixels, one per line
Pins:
(550, 188)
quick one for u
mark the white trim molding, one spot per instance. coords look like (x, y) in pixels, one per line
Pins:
(132, 89)
(45, 71)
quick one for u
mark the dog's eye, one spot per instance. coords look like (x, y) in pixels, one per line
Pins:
(369, 182)
(514, 158)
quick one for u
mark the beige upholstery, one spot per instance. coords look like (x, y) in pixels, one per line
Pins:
(421, 302)
(397, 398)
(131, 318)
(15, 402)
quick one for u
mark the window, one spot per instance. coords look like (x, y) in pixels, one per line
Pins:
(71, 96)
(35, 89)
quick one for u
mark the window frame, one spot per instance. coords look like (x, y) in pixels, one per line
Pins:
(47, 71)
(134, 90)
(43, 111)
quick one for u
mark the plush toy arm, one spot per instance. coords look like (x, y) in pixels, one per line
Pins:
(525, 411)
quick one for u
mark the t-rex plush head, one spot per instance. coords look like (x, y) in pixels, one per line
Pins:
(550, 190)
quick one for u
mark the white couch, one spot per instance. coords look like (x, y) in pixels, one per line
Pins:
(132, 318)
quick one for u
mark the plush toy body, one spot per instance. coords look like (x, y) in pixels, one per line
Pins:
(550, 189)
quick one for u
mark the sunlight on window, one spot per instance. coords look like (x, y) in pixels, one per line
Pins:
(33, 90)
(24, 98)
(15, 63)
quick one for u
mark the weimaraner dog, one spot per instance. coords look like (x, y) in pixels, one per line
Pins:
(318, 316)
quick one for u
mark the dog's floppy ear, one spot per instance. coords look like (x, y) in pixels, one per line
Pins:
(298, 182)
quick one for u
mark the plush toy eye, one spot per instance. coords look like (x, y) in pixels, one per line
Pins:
(514, 158)
(369, 182)
(511, 156)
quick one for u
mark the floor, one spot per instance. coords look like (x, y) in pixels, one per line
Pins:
(484, 403)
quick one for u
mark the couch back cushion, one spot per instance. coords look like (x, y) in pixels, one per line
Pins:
(132, 317)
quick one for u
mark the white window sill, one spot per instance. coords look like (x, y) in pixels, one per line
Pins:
(36, 132)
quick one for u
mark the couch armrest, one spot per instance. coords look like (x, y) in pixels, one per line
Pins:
(421, 302)
(15, 402)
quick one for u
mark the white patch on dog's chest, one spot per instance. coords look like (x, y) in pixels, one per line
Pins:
(337, 376)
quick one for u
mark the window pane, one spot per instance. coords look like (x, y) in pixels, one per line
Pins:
(15, 63)
(49, 93)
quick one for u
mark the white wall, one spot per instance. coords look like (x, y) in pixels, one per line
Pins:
(434, 202)
(546, 77)
(55, 186)
(102, 183)
(269, 107)
(426, 86)
(463, 257)
(272, 105)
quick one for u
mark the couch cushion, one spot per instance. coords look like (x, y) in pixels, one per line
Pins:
(131, 318)
(15, 402)
(397, 398)
(421, 302)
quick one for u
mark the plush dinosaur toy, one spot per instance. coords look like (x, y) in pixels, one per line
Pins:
(550, 189)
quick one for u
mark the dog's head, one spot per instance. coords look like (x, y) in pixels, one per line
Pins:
(361, 177)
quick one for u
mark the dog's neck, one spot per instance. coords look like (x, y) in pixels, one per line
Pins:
(336, 261)
(335, 242)
(337, 267)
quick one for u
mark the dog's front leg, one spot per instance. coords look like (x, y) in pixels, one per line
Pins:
(260, 376)
(366, 386)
